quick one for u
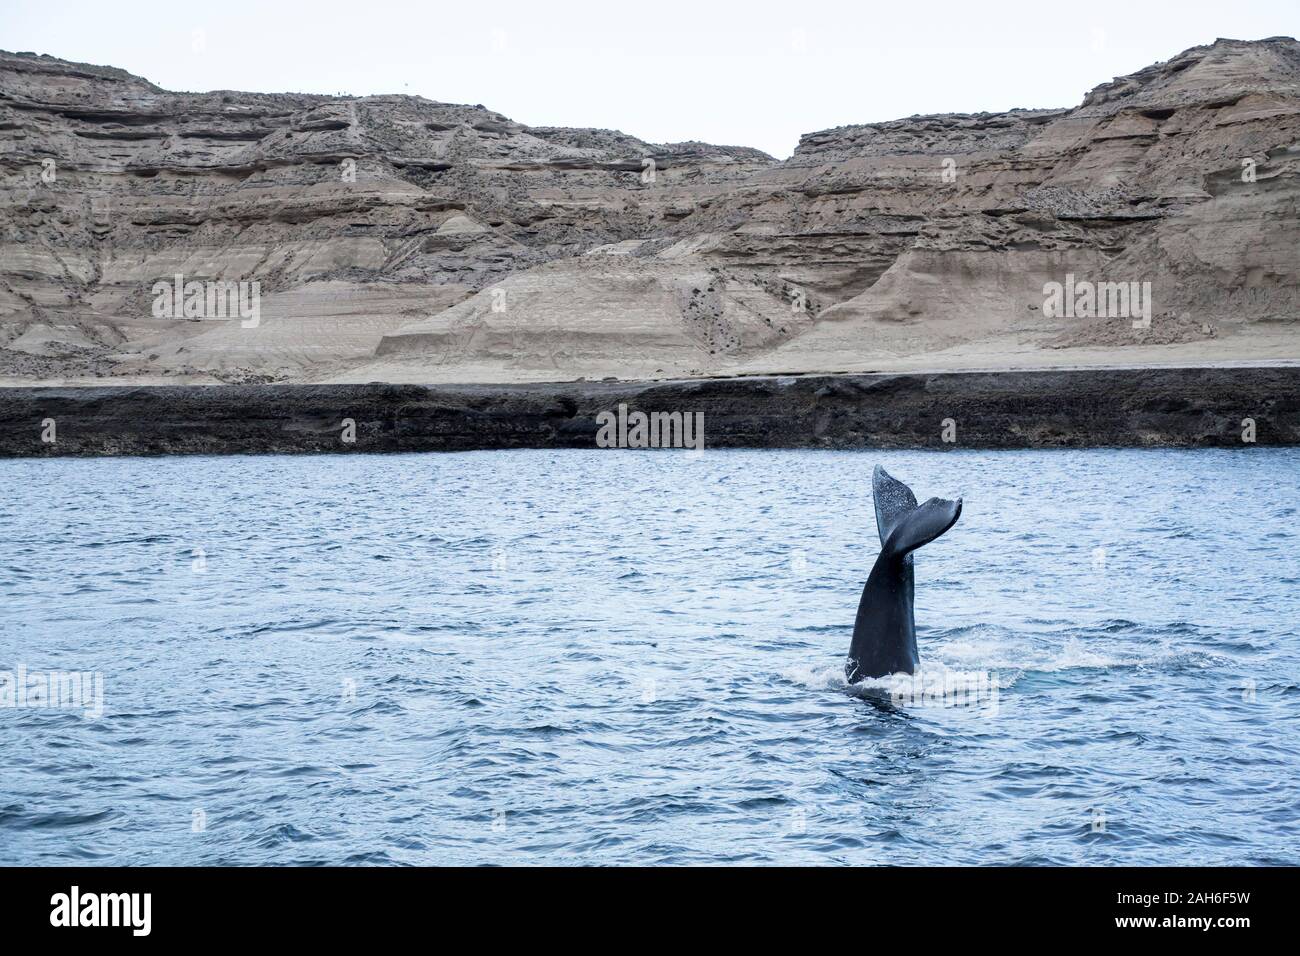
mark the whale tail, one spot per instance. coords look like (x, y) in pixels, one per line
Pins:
(893, 501)
(904, 525)
(884, 633)
(922, 525)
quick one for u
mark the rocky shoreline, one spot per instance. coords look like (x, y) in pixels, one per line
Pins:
(1135, 407)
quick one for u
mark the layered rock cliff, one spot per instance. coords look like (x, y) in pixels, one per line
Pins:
(394, 238)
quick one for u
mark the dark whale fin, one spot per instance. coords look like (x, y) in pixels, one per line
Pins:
(921, 525)
(884, 633)
(893, 501)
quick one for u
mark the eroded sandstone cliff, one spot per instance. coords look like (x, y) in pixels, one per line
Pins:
(398, 239)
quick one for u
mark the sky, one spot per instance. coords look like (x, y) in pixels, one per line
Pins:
(753, 73)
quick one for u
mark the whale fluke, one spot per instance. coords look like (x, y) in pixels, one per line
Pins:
(922, 525)
(884, 634)
(893, 500)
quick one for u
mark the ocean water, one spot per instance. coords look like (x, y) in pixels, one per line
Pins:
(635, 657)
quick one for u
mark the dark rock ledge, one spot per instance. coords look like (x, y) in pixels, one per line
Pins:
(1148, 407)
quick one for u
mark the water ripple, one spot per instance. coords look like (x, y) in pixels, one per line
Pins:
(587, 657)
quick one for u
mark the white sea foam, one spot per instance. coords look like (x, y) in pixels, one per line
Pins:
(934, 684)
(978, 664)
(998, 652)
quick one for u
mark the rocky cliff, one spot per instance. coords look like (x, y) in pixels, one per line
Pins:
(393, 238)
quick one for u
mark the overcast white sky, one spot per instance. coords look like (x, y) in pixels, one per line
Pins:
(754, 73)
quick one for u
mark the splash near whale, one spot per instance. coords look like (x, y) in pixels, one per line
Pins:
(884, 634)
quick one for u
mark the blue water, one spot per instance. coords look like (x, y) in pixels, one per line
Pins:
(633, 657)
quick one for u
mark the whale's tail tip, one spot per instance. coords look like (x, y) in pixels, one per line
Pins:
(956, 511)
(893, 500)
(898, 511)
(923, 524)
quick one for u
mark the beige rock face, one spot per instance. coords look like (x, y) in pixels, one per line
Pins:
(606, 313)
(393, 238)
